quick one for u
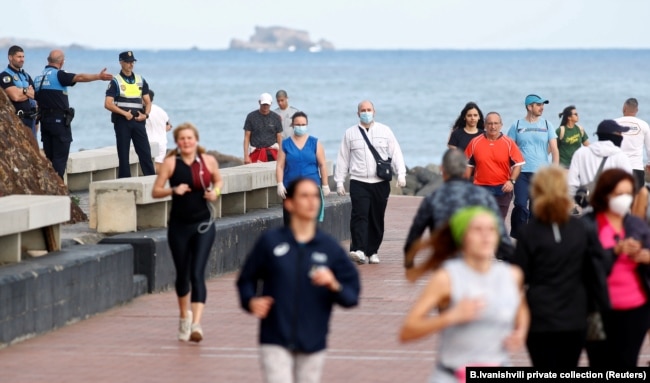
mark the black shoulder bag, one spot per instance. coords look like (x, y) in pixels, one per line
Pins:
(384, 167)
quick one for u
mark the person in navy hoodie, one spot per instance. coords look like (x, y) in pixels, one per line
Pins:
(303, 273)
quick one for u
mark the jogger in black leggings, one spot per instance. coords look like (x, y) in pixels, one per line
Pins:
(195, 182)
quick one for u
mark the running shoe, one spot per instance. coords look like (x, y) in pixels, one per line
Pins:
(197, 333)
(374, 259)
(184, 327)
(358, 256)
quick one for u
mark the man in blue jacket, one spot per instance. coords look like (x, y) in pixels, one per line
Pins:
(303, 272)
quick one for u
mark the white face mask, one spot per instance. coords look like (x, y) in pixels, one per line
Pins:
(621, 204)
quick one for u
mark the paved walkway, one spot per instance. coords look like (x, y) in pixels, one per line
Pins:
(136, 342)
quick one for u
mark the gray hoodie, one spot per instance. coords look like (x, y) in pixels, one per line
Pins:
(587, 159)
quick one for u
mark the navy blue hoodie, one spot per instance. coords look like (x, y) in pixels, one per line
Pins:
(299, 317)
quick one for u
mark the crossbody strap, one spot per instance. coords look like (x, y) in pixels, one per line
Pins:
(372, 148)
(600, 168)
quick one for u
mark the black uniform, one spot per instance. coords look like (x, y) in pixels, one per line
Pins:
(21, 79)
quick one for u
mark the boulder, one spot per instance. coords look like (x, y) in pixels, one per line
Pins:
(23, 169)
(226, 160)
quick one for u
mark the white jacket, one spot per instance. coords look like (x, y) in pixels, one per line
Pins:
(586, 161)
(356, 158)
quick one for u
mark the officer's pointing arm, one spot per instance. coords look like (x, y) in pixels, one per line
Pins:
(86, 77)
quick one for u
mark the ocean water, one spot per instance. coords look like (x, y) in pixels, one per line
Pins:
(417, 93)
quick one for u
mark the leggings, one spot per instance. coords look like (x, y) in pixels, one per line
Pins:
(190, 251)
(553, 350)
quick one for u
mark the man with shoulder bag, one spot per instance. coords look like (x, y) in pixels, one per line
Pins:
(589, 161)
(370, 154)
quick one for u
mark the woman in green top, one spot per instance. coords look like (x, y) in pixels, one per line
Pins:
(570, 136)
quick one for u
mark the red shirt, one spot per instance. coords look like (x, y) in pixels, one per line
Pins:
(492, 160)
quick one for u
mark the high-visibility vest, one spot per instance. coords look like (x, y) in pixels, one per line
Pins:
(130, 96)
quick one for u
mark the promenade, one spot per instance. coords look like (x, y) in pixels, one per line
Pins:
(137, 342)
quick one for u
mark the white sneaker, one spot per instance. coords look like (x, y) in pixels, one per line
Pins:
(374, 259)
(197, 333)
(185, 327)
(358, 256)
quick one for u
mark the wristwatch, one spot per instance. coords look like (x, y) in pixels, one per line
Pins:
(513, 181)
(146, 114)
(24, 90)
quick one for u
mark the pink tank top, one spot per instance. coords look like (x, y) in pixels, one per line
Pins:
(625, 290)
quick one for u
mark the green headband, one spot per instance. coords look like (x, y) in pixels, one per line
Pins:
(461, 218)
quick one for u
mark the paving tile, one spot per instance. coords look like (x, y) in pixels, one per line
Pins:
(137, 342)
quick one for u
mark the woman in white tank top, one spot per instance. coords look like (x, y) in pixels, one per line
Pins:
(483, 313)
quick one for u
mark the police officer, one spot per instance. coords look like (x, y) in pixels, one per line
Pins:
(56, 114)
(127, 97)
(19, 87)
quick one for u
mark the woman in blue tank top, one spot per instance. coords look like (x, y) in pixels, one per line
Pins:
(302, 156)
(194, 183)
(482, 310)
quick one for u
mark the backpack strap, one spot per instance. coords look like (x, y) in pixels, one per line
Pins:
(561, 133)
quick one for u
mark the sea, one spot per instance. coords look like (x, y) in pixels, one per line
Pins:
(419, 94)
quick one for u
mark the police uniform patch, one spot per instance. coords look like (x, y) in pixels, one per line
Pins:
(6, 79)
(123, 87)
(16, 77)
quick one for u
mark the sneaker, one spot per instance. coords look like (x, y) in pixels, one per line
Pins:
(197, 333)
(358, 257)
(184, 327)
(374, 259)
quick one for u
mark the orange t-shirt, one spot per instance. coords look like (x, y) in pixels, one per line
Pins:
(492, 160)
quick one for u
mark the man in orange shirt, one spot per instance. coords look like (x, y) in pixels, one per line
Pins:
(496, 161)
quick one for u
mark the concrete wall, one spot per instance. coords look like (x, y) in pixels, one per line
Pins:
(41, 294)
(235, 237)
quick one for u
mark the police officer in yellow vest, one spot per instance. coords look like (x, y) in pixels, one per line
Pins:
(127, 97)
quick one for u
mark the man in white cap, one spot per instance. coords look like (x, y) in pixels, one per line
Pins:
(535, 138)
(262, 133)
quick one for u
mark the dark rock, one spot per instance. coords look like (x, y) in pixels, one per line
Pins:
(429, 188)
(23, 169)
(226, 160)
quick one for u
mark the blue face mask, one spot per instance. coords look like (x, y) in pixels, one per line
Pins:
(300, 130)
(366, 117)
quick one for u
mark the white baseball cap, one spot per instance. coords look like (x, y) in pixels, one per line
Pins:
(266, 98)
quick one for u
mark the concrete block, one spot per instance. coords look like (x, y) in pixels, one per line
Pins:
(116, 211)
(257, 199)
(14, 218)
(152, 215)
(134, 169)
(36, 210)
(274, 198)
(41, 294)
(78, 181)
(235, 181)
(10, 248)
(232, 204)
(151, 255)
(103, 175)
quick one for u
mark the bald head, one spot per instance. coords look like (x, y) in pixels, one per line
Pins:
(56, 58)
(365, 105)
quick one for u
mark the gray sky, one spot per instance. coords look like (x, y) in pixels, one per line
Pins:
(349, 24)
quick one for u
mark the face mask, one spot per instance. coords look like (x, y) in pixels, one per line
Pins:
(616, 139)
(621, 204)
(300, 130)
(366, 117)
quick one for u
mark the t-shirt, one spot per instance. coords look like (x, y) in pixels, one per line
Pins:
(635, 139)
(156, 126)
(532, 140)
(492, 160)
(19, 78)
(460, 138)
(286, 119)
(569, 143)
(264, 128)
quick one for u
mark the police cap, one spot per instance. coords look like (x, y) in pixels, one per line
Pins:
(127, 56)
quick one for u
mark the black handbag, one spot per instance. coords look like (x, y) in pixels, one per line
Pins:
(384, 167)
(584, 191)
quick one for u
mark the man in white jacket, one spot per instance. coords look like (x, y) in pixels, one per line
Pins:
(369, 193)
(587, 159)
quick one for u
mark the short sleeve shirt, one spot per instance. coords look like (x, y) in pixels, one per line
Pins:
(532, 140)
(569, 143)
(264, 128)
(460, 138)
(286, 119)
(19, 78)
(492, 160)
(55, 99)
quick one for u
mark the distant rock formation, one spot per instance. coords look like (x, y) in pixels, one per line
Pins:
(274, 39)
(23, 170)
(6, 42)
